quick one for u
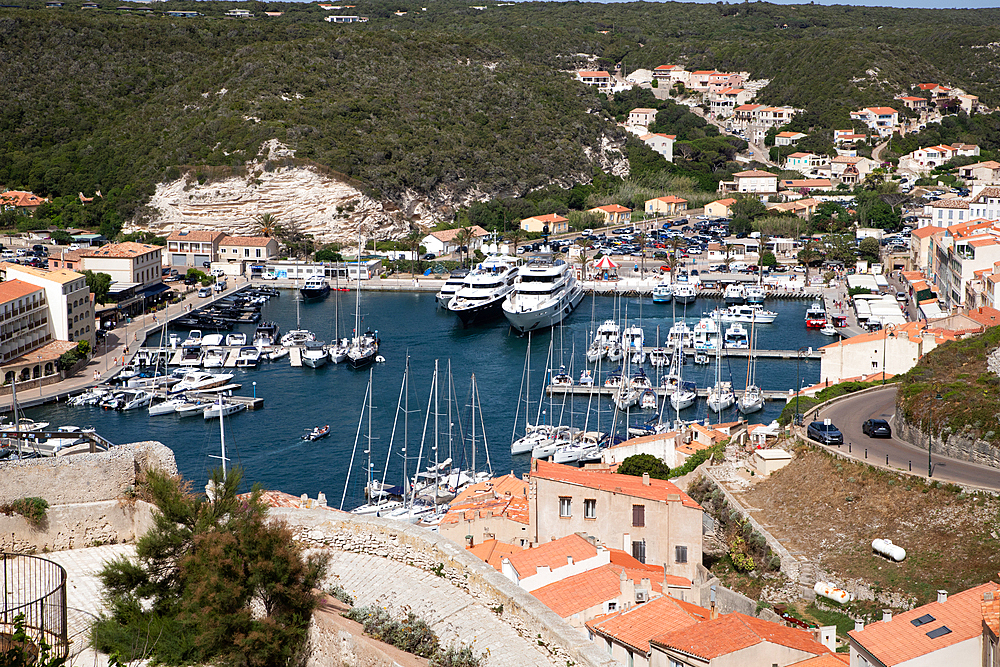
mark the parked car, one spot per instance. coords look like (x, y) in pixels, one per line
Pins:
(876, 428)
(901, 297)
(204, 291)
(429, 256)
(828, 434)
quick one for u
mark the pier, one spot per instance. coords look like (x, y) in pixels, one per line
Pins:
(661, 392)
(809, 353)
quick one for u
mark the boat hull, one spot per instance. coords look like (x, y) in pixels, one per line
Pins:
(684, 299)
(311, 294)
(486, 311)
(547, 317)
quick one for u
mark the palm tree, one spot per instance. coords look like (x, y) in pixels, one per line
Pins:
(809, 253)
(463, 238)
(514, 238)
(267, 224)
(583, 243)
(413, 239)
(641, 239)
(728, 259)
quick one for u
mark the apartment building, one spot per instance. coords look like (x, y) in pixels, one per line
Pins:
(195, 248)
(71, 308)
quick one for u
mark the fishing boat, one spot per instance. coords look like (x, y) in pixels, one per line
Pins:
(315, 287)
(317, 433)
(662, 292)
(816, 317)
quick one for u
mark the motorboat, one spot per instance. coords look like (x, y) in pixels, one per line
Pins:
(297, 337)
(212, 340)
(681, 332)
(338, 350)
(482, 294)
(545, 291)
(662, 292)
(701, 359)
(277, 353)
(455, 280)
(191, 355)
(734, 295)
(133, 399)
(632, 343)
(214, 357)
(314, 354)
(238, 339)
(684, 293)
(707, 335)
(190, 409)
(317, 433)
(248, 356)
(68, 437)
(92, 396)
(562, 379)
(816, 317)
(128, 371)
(755, 295)
(586, 378)
(607, 335)
(659, 357)
(828, 330)
(639, 380)
(266, 334)
(745, 314)
(736, 337)
(315, 287)
(648, 400)
(193, 338)
(200, 380)
(224, 409)
(167, 407)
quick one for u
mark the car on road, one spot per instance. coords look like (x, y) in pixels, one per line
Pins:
(901, 297)
(429, 256)
(876, 428)
(828, 434)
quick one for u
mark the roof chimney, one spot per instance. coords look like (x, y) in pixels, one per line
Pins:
(859, 626)
(886, 615)
(713, 612)
(645, 478)
(942, 596)
(569, 560)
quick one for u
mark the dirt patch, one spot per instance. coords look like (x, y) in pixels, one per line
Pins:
(828, 511)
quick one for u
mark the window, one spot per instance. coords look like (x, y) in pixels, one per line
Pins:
(565, 507)
(680, 554)
(874, 364)
(590, 508)
(612, 606)
(639, 550)
(638, 515)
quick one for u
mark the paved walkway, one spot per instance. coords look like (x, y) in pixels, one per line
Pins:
(454, 615)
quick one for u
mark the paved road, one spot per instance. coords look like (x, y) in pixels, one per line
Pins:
(877, 151)
(849, 414)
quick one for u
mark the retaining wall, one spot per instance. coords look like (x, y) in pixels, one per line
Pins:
(77, 526)
(976, 451)
(417, 547)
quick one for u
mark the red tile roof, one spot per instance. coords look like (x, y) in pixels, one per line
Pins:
(493, 552)
(20, 199)
(447, 235)
(634, 627)
(596, 73)
(754, 173)
(826, 660)
(985, 315)
(250, 241)
(549, 217)
(897, 641)
(924, 232)
(15, 289)
(658, 489)
(552, 554)
(198, 236)
(580, 592)
(991, 610)
(735, 632)
(612, 208)
(671, 199)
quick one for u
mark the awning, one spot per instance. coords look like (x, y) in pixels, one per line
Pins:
(153, 290)
(606, 263)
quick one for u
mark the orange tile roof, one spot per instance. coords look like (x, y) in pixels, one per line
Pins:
(549, 217)
(514, 508)
(985, 315)
(634, 627)
(798, 154)
(728, 201)
(449, 234)
(671, 199)
(20, 199)
(979, 243)
(493, 552)
(789, 135)
(882, 110)
(612, 208)
(128, 249)
(754, 173)
(494, 487)
(825, 660)
(897, 641)
(734, 632)
(658, 489)
(991, 610)
(250, 241)
(552, 554)
(924, 232)
(594, 73)
(198, 236)
(15, 289)
(748, 107)
(582, 591)
(689, 448)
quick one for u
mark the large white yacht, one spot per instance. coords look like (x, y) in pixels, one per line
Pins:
(451, 285)
(545, 292)
(485, 288)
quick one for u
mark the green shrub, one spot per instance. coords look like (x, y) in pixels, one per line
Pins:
(32, 509)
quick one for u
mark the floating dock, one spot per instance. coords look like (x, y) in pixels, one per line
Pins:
(577, 390)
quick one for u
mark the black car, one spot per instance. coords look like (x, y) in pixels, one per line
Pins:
(828, 434)
(876, 428)
(429, 256)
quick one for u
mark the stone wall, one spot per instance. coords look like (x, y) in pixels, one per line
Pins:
(535, 624)
(977, 451)
(83, 478)
(77, 526)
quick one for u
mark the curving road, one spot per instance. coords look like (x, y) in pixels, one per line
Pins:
(850, 413)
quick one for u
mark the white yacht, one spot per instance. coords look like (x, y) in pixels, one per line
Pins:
(684, 293)
(338, 350)
(133, 399)
(297, 337)
(248, 357)
(214, 357)
(167, 407)
(746, 314)
(484, 289)
(193, 338)
(659, 357)
(736, 337)
(215, 410)
(198, 380)
(606, 336)
(752, 400)
(191, 355)
(314, 354)
(734, 295)
(707, 335)
(663, 292)
(682, 333)
(755, 295)
(238, 339)
(212, 340)
(632, 342)
(721, 396)
(545, 292)
(450, 287)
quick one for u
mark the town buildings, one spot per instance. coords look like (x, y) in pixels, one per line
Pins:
(536, 224)
(444, 242)
(247, 249)
(661, 143)
(613, 214)
(71, 308)
(880, 120)
(193, 248)
(669, 205)
(760, 183)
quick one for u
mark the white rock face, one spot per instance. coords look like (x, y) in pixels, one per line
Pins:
(296, 195)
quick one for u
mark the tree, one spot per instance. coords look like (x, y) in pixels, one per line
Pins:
(213, 581)
(768, 259)
(728, 259)
(99, 284)
(870, 248)
(637, 464)
(267, 224)
(809, 254)
(412, 240)
(329, 253)
(61, 237)
(463, 239)
(515, 237)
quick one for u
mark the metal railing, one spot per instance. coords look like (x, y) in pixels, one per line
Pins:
(35, 589)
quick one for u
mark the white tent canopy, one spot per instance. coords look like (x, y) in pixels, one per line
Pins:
(606, 263)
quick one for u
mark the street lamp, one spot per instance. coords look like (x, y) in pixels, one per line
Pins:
(930, 435)
(255, 389)
(798, 383)
(885, 343)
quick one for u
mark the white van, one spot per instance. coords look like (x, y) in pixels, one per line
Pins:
(218, 273)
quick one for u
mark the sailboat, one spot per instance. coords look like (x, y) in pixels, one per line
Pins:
(721, 395)
(364, 346)
(340, 346)
(752, 399)
(298, 336)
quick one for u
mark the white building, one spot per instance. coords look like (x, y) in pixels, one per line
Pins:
(601, 79)
(443, 242)
(894, 350)
(788, 138)
(71, 309)
(881, 120)
(136, 263)
(641, 117)
(661, 143)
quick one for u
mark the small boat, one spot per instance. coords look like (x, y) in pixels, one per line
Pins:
(828, 330)
(214, 357)
(815, 317)
(734, 295)
(663, 292)
(659, 357)
(167, 407)
(684, 294)
(314, 354)
(191, 355)
(701, 358)
(266, 334)
(238, 339)
(224, 409)
(277, 353)
(562, 378)
(297, 337)
(190, 409)
(586, 378)
(193, 337)
(133, 399)
(317, 433)
(212, 340)
(648, 400)
(249, 356)
(736, 337)
(755, 295)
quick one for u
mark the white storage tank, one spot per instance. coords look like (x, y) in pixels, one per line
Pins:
(889, 550)
(831, 592)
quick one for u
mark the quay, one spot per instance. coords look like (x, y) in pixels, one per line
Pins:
(808, 353)
(661, 392)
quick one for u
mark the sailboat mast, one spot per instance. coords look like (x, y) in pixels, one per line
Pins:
(368, 476)
(527, 388)
(222, 437)
(437, 469)
(17, 422)
(451, 392)
(473, 423)
(357, 300)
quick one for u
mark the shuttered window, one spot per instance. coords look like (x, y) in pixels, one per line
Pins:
(638, 515)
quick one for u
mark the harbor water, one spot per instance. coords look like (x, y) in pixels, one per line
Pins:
(268, 443)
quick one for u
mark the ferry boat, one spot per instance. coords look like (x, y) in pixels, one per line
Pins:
(734, 295)
(684, 293)
(815, 317)
(450, 287)
(745, 314)
(315, 287)
(663, 292)
(544, 293)
(484, 289)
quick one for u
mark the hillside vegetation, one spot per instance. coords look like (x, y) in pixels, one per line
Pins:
(444, 101)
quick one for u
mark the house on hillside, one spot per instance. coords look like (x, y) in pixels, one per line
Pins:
(613, 214)
(661, 143)
(756, 181)
(443, 242)
(641, 117)
(250, 249)
(788, 138)
(600, 79)
(720, 208)
(23, 202)
(669, 75)
(983, 173)
(197, 248)
(881, 120)
(536, 224)
(669, 205)
(804, 162)
(915, 103)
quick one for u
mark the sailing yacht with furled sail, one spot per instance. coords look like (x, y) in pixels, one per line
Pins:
(752, 399)
(364, 346)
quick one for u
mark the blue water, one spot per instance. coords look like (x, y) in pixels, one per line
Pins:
(268, 444)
